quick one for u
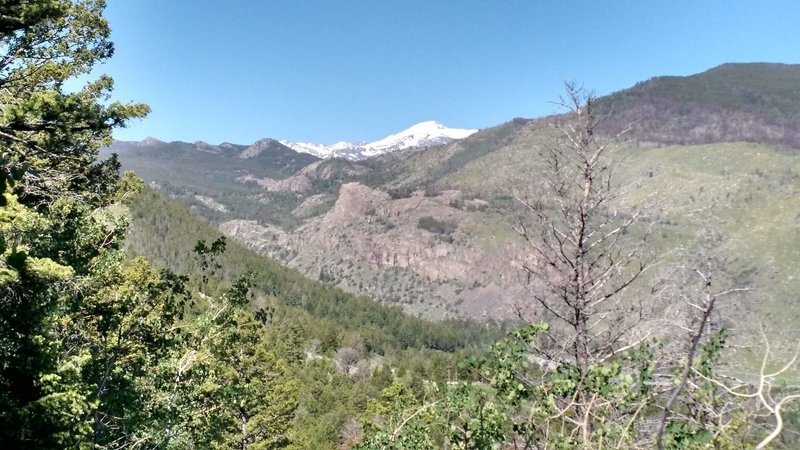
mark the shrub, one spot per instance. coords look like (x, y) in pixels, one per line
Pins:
(436, 226)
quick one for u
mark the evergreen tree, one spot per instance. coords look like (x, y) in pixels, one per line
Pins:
(56, 224)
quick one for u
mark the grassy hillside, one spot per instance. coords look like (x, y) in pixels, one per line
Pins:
(746, 195)
(755, 102)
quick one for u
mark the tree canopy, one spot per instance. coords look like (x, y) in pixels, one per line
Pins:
(97, 348)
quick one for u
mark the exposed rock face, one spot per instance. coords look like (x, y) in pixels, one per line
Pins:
(201, 146)
(303, 181)
(297, 183)
(266, 239)
(210, 203)
(257, 148)
(355, 199)
(374, 245)
(394, 240)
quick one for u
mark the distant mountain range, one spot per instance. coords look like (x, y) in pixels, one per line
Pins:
(421, 135)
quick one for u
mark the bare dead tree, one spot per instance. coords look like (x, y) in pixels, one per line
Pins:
(347, 359)
(699, 327)
(587, 247)
(756, 403)
(583, 251)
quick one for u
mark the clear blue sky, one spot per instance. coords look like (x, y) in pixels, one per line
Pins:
(324, 71)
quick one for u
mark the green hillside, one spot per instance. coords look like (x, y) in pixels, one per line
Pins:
(315, 326)
(747, 193)
(756, 102)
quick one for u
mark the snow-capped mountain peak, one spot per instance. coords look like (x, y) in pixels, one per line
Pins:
(423, 134)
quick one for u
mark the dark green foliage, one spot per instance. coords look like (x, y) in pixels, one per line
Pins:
(304, 315)
(98, 349)
(229, 349)
(55, 224)
(766, 87)
(531, 407)
(436, 226)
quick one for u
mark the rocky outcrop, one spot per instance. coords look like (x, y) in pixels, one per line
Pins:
(257, 148)
(266, 239)
(297, 183)
(324, 171)
(210, 203)
(356, 200)
(374, 245)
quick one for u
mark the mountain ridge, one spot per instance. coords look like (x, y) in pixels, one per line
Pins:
(732, 102)
(423, 134)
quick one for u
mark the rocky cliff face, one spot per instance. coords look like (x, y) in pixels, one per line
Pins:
(320, 172)
(297, 183)
(429, 254)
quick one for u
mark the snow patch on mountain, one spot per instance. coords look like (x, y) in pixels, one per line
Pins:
(424, 134)
(340, 149)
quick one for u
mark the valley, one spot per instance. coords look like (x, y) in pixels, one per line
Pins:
(616, 272)
(432, 229)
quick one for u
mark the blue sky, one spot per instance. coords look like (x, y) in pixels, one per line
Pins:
(325, 71)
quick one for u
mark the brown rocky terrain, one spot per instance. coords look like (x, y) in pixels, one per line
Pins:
(429, 254)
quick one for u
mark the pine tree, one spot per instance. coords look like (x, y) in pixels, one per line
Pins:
(56, 220)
